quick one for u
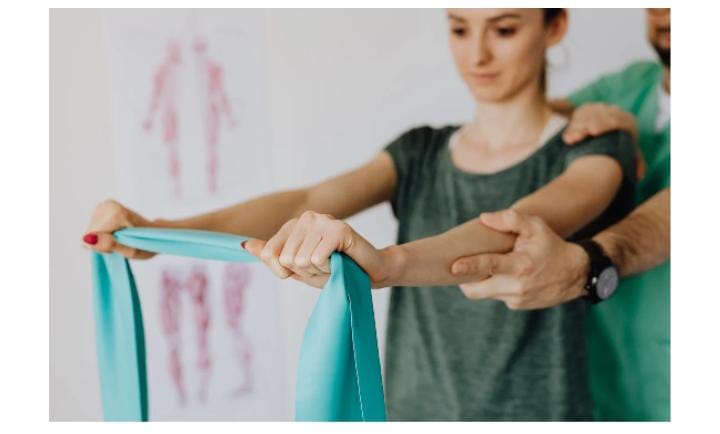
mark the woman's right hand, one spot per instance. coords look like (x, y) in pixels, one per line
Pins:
(109, 216)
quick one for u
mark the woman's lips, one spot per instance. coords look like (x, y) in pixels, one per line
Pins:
(485, 77)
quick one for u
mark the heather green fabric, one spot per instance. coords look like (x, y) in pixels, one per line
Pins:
(451, 358)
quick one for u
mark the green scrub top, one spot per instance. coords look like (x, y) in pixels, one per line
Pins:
(629, 335)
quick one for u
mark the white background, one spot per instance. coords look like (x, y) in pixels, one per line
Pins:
(341, 84)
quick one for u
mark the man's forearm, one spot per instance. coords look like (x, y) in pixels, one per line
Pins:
(642, 240)
(260, 218)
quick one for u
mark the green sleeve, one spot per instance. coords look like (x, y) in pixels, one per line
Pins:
(614, 87)
(617, 145)
(597, 91)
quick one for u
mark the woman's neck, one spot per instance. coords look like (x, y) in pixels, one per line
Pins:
(514, 122)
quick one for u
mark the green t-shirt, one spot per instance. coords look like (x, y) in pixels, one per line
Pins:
(451, 358)
(629, 335)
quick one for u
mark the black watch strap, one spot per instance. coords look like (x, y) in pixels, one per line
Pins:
(598, 262)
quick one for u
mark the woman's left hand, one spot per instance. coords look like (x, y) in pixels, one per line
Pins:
(302, 247)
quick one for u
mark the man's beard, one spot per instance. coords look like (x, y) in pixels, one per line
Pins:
(663, 54)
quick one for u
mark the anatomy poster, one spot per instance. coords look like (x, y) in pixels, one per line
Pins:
(190, 134)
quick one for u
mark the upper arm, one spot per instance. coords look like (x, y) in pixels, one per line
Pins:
(354, 191)
(578, 196)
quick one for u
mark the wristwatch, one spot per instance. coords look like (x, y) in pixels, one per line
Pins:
(603, 276)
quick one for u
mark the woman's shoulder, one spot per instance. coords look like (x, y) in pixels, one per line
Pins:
(618, 145)
(427, 134)
(422, 139)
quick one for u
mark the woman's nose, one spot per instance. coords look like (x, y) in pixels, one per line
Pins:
(481, 53)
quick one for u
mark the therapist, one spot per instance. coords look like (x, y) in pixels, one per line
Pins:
(629, 329)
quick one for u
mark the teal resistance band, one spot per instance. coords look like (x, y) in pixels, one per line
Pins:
(339, 368)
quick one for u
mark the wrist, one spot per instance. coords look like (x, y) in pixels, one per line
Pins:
(608, 244)
(395, 263)
(580, 269)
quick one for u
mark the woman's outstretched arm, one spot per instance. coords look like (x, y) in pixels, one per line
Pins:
(343, 195)
(303, 246)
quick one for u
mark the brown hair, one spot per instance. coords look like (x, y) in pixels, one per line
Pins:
(549, 15)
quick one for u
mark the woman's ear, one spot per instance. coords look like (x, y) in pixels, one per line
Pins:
(556, 29)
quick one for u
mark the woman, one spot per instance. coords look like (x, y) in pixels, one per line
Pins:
(448, 357)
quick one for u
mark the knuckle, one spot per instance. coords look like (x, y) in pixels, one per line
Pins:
(285, 260)
(265, 254)
(302, 261)
(308, 215)
(317, 261)
(526, 266)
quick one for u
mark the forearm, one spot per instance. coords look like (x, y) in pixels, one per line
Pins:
(427, 261)
(260, 218)
(642, 240)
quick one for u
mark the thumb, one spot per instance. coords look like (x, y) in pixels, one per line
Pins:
(507, 220)
(99, 241)
(254, 246)
(482, 266)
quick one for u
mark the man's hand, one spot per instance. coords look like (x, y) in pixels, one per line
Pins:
(541, 271)
(595, 119)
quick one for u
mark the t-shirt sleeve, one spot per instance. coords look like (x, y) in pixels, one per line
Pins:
(617, 145)
(406, 153)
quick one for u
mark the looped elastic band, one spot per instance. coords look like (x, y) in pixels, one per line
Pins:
(338, 376)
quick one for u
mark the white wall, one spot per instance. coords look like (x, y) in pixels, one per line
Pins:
(342, 83)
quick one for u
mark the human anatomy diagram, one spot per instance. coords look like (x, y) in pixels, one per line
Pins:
(182, 285)
(213, 106)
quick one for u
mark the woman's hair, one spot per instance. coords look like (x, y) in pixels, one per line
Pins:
(549, 15)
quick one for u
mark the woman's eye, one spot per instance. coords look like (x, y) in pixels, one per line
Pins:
(458, 32)
(506, 31)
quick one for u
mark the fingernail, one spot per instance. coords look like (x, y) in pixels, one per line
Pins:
(243, 244)
(459, 268)
(90, 238)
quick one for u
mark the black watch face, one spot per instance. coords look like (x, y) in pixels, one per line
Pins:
(607, 282)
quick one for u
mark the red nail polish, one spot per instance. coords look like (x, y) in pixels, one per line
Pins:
(90, 238)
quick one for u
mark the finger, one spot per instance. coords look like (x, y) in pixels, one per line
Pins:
(575, 134)
(495, 287)
(132, 252)
(106, 243)
(254, 246)
(513, 303)
(318, 281)
(321, 255)
(599, 127)
(304, 254)
(270, 254)
(507, 220)
(290, 250)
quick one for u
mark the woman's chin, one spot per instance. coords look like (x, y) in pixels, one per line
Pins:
(488, 94)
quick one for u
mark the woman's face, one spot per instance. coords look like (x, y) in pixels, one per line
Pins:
(500, 52)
